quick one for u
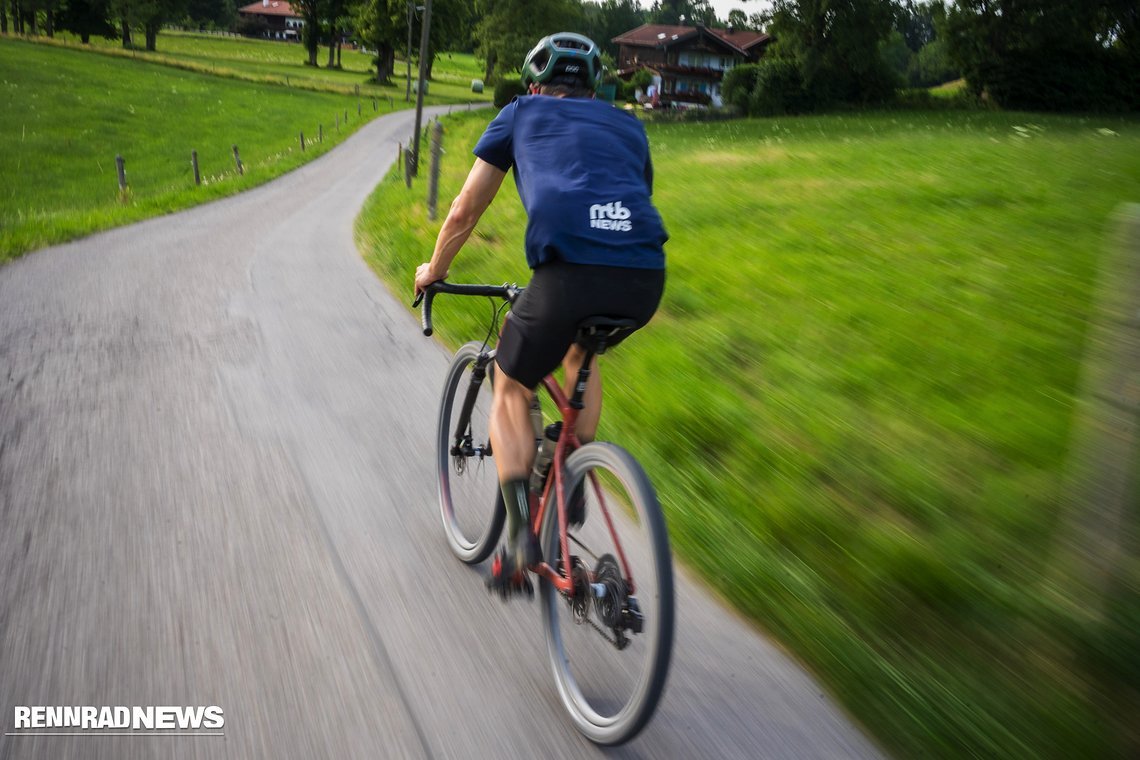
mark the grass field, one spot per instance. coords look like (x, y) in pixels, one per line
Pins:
(267, 61)
(65, 113)
(857, 398)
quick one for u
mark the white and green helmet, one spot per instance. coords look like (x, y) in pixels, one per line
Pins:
(563, 57)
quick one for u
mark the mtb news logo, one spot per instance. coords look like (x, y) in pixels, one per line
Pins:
(610, 216)
(72, 720)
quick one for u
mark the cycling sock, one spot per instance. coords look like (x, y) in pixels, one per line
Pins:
(517, 501)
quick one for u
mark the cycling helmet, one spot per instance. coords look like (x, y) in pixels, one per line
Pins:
(563, 58)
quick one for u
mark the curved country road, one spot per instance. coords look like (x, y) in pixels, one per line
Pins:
(216, 489)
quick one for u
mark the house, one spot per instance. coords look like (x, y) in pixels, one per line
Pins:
(275, 18)
(688, 63)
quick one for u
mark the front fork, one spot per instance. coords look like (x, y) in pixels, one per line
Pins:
(462, 445)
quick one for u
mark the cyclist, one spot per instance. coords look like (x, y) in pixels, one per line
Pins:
(593, 240)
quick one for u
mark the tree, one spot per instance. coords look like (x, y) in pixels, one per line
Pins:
(1049, 54)
(149, 14)
(932, 65)
(611, 18)
(738, 19)
(381, 25)
(509, 28)
(836, 46)
(216, 14)
(914, 50)
(311, 11)
(451, 22)
(916, 22)
(87, 18)
(334, 11)
(693, 11)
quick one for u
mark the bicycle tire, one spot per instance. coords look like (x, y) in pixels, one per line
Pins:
(616, 468)
(470, 501)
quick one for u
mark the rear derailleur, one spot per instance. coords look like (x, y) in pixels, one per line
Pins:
(616, 609)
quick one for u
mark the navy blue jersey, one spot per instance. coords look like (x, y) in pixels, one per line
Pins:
(583, 172)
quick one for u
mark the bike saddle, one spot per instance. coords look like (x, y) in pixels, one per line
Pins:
(596, 334)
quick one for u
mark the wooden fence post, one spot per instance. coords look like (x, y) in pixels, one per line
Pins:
(120, 167)
(302, 141)
(194, 163)
(320, 133)
(433, 176)
(237, 161)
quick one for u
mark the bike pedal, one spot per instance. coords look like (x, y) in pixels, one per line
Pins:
(508, 584)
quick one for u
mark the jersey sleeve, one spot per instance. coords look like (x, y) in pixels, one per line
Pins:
(496, 146)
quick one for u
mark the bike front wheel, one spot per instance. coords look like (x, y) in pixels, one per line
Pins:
(470, 501)
(610, 643)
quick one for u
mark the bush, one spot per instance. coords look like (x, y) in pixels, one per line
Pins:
(506, 90)
(738, 84)
(779, 89)
(641, 80)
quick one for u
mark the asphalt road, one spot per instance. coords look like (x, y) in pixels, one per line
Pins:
(216, 489)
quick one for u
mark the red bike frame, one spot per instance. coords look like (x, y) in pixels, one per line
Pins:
(567, 443)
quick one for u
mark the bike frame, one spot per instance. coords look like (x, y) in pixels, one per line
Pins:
(568, 442)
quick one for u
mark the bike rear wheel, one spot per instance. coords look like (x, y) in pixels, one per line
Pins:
(610, 675)
(470, 501)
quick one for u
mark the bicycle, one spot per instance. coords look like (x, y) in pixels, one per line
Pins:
(591, 605)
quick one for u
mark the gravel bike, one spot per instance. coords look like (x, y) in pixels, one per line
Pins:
(606, 572)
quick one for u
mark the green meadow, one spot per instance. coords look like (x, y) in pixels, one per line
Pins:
(67, 112)
(857, 400)
(268, 61)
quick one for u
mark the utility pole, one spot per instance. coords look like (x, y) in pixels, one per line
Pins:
(408, 92)
(422, 83)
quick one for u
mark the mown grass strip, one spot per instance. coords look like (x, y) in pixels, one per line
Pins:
(857, 398)
(283, 63)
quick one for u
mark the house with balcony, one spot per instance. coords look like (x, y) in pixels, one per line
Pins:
(687, 62)
(275, 19)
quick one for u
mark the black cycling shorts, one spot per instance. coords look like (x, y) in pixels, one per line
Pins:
(544, 320)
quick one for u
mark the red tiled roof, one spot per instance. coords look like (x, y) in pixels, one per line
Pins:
(652, 35)
(273, 8)
(742, 38)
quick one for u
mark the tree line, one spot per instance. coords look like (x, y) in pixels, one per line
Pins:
(1046, 54)
(1027, 54)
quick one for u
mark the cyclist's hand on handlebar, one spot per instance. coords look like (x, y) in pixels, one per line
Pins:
(425, 276)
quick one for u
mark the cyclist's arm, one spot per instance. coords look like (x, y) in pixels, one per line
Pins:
(478, 191)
